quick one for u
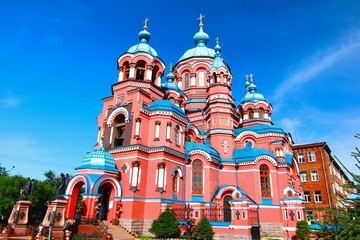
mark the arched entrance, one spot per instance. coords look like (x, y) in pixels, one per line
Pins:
(76, 206)
(227, 209)
(104, 202)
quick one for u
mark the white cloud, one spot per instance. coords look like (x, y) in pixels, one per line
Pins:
(323, 60)
(9, 101)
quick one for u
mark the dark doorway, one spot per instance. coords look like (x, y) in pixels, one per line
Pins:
(104, 201)
(227, 209)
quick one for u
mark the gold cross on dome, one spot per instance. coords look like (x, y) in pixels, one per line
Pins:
(201, 18)
(217, 40)
(171, 67)
(145, 23)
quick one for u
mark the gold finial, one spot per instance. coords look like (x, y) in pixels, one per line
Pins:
(201, 18)
(251, 77)
(145, 23)
(247, 77)
(171, 67)
(217, 40)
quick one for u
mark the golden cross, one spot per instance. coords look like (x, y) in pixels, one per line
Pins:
(201, 18)
(247, 77)
(145, 23)
(217, 40)
(171, 67)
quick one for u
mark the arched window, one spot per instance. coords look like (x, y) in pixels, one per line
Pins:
(187, 78)
(265, 181)
(175, 181)
(188, 138)
(140, 70)
(197, 177)
(126, 70)
(154, 73)
(177, 135)
(119, 130)
(251, 113)
(201, 79)
(261, 113)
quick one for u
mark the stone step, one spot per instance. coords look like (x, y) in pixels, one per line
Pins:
(117, 232)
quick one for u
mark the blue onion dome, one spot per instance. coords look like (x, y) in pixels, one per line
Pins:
(99, 159)
(143, 45)
(170, 84)
(200, 39)
(250, 93)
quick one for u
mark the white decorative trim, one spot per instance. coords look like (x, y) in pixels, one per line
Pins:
(270, 159)
(117, 111)
(218, 196)
(201, 152)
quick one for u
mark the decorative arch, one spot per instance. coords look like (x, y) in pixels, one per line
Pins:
(289, 189)
(75, 180)
(103, 180)
(177, 169)
(266, 157)
(225, 189)
(200, 152)
(117, 111)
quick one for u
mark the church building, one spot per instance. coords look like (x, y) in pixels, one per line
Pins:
(176, 139)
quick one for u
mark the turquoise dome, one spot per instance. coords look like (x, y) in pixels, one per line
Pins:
(200, 39)
(167, 106)
(251, 95)
(98, 159)
(143, 45)
(218, 60)
(170, 85)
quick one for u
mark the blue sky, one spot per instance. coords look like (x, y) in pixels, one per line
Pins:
(58, 59)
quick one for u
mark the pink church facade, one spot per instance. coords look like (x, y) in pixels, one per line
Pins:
(182, 143)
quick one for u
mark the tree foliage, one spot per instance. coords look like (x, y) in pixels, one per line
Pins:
(203, 229)
(9, 191)
(348, 217)
(302, 230)
(166, 226)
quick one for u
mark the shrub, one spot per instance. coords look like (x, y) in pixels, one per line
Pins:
(302, 230)
(203, 229)
(166, 226)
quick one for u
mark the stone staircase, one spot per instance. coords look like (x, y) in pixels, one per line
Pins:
(117, 232)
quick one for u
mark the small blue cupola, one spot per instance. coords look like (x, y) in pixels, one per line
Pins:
(99, 159)
(170, 84)
(143, 45)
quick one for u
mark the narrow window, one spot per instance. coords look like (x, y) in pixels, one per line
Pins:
(311, 156)
(137, 128)
(161, 177)
(251, 114)
(140, 70)
(317, 196)
(119, 130)
(265, 181)
(201, 79)
(157, 130)
(187, 77)
(197, 177)
(175, 182)
(177, 135)
(301, 158)
(135, 175)
(314, 175)
(303, 177)
(298, 213)
(168, 131)
(307, 197)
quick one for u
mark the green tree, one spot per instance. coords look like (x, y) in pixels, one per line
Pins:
(203, 229)
(41, 193)
(348, 217)
(3, 171)
(10, 187)
(166, 226)
(302, 230)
